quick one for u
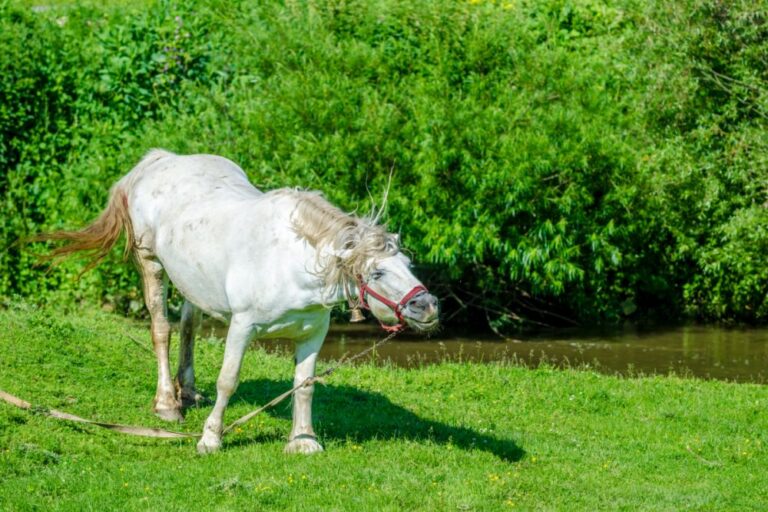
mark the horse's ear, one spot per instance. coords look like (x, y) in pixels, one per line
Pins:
(349, 241)
(393, 242)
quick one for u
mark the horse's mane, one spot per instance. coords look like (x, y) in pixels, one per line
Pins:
(325, 226)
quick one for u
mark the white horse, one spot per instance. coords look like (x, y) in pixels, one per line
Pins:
(270, 264)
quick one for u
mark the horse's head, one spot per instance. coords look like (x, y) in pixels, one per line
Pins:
(395, 297)
(354, 252)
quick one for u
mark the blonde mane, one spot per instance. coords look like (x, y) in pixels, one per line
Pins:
(325, 226)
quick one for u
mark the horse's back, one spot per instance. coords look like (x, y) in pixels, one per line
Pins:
(165, 188)
(163, 178)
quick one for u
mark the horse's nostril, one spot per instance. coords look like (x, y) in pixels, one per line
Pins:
(422, 302)
(417, 303)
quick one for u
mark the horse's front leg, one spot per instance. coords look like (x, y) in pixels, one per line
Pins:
(238, 336)
(302, 438)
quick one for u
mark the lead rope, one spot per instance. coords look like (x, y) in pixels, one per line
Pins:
(125, 429)
(169, 434)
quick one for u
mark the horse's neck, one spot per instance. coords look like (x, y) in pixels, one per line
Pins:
(331, 293)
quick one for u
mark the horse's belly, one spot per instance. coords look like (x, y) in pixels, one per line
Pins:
(194, 258)
(198, 288)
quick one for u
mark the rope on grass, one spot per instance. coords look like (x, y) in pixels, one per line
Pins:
(125, 429)
(169, 434)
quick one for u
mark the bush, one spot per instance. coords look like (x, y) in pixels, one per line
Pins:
(75, 84)
(554, 162)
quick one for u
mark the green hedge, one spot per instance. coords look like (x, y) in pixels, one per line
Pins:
(553, 162)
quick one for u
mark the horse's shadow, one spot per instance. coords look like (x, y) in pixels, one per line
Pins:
(347, 413)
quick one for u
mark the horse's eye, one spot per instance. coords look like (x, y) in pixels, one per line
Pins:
(377, 274)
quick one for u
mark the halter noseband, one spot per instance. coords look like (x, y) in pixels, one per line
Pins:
(396, 307)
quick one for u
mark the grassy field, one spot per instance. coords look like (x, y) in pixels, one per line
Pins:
(447, 437)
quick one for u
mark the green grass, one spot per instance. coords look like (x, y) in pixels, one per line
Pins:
(446, 437)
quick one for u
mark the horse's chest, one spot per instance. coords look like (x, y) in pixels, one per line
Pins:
(294, 324)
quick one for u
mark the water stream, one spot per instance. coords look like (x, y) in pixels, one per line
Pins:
(701, 351)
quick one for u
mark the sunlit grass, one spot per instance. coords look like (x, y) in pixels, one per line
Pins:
(61, 5)
(453, 436)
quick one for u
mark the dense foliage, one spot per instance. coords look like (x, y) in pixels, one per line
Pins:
(555, 161)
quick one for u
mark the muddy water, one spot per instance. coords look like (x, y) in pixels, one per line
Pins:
(707, 352)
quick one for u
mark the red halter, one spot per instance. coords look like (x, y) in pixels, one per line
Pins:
(396, 307)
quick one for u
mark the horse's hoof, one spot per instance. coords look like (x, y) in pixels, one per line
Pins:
(169, 415)
(303, 444)
(192, 398)
(208, 444)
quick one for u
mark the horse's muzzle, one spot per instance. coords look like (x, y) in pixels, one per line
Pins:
(422, 312)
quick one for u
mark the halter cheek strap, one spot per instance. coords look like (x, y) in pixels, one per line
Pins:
(396, 307)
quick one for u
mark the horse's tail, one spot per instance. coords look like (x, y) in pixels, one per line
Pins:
(96, 239)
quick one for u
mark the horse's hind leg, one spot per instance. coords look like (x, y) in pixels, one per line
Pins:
(185, 378)
(155, 291)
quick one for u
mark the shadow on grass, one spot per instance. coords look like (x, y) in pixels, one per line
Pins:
(344, 412)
